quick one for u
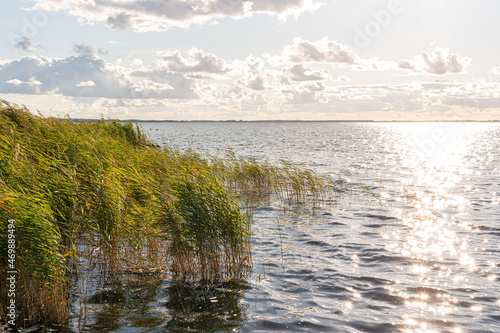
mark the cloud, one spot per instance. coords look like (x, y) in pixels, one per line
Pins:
(103, 51)
(343, 78)
(375, 98)
(495, 70)
(176, 81)
(305, 93)
(419, 99)
(254, 81)
(83, 49)
(159, 15)
(87, 75)
(326, 51)
(69, 77)
(304, 96)
(472, 95)
(86, 84)
(439, 62)
(321, 51)
(255, 76)
(31, 82)
(236, 98)
(160, 83)
(120, 21)
(414, 99)
(306, 73)
(15, 82)
(153, 89)
(199, 64)
(25, 45)
(315, 86)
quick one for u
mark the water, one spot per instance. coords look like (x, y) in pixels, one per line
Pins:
(421, 257)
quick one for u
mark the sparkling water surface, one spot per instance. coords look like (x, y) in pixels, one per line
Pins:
(420, 255)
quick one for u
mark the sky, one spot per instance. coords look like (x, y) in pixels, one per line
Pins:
(253, 60)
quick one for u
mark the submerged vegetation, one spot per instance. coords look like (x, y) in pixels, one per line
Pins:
(99, 196)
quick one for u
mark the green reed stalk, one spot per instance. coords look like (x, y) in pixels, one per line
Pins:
(85, 192)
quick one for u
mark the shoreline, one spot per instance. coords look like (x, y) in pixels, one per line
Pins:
(285, 121)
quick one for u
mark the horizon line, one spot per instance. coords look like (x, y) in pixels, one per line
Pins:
(282, 121)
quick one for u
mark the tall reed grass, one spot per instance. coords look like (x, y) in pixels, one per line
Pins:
(84, 193)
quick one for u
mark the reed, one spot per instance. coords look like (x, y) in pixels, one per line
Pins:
(99, 192)
(291, 184)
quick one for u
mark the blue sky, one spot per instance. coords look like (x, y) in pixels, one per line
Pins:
(266, 59)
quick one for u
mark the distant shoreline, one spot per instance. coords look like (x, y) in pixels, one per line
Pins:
(292, 121)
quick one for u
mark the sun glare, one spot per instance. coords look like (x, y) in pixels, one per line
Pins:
(436, 158)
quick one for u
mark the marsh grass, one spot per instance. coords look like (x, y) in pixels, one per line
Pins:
(98, 196)
(292, 185)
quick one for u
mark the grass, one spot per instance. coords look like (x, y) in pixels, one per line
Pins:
(294, 185)
(99, 194)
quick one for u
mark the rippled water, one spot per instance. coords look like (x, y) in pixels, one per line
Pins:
(423, 257)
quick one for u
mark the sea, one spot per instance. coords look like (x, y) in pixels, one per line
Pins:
(413, 246)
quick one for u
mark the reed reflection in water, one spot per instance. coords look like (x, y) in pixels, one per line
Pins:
(157, 305)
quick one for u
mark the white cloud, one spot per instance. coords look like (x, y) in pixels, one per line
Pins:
(472, 95)
(439, 62)
(254, 81)
(306, 93)
(495, 70)
(321, 51)
(85, 84)
(315, 86)
(237, 97)
(32, 84)
(160, 83)
(152, 89)
(256, 77)
(175, 81)
(62, 76)
(15, 82)
(343, 78)
(376, 98)
(326, 51)
(87, 75)
(373, 64)
(307, 100)
(306, 73)
(159, 15)
(431, 100)
(199, 64)
(304, 97)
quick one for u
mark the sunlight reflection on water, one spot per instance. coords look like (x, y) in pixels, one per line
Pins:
(439, 156)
